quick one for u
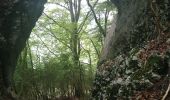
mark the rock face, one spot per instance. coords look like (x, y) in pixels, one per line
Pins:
(17, 19)
(137, 63)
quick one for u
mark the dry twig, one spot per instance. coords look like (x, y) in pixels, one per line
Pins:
(167, 91)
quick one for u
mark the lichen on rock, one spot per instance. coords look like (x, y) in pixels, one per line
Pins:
(127, 75)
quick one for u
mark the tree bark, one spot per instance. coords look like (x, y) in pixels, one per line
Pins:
(137, 22)
(17, 19)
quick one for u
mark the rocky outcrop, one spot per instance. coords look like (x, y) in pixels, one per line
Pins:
(137, 65)
(17, 19)
(132, 76)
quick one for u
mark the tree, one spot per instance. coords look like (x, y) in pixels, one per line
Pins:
(17, 18)
(73, 35)
(55, 72)
(138, 20)
(140, 24)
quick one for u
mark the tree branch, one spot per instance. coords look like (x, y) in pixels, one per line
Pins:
(58, 4)
(84, 21)
(56, 22)
(166, 93)
(96, 20)
(46, 45)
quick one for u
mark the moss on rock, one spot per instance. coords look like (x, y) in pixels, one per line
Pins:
(126, 75)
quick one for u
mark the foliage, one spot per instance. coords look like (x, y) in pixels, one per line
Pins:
(60, 57)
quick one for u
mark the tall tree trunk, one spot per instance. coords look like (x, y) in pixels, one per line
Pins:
(138, 21)
(17, 18)
(74, 9)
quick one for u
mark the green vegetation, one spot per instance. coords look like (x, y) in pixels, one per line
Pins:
(61, 56)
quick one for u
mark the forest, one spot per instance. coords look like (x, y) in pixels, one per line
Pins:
(61, 55)
(84, 50)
